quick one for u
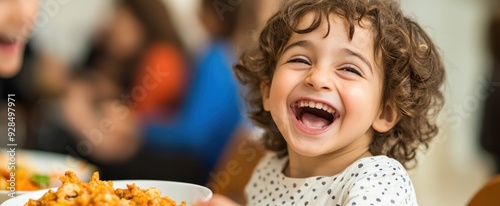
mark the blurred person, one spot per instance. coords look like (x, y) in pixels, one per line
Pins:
(135, 71)
(139, 50)
(16, 23)
(211, 115)
(490, 128)
(243, 149)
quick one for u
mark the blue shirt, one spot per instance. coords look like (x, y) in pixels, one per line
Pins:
(210, 114)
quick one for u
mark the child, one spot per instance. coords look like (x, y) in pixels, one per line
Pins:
(16, 21)
(347, 91)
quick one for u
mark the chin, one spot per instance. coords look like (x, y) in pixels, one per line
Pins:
(9, 69)
(307, 149)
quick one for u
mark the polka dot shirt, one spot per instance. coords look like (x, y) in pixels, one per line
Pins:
(377, 180)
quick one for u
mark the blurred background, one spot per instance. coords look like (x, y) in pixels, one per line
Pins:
(129, 86)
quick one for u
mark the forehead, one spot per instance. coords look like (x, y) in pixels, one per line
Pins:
(335, 32)
(338, 26)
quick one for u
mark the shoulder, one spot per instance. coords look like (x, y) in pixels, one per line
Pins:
(379, 180)
(269, 167)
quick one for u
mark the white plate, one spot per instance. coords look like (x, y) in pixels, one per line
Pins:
(178, 191)
(46, 163)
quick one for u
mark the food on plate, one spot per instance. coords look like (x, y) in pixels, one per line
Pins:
(25, 179)
(98, 192)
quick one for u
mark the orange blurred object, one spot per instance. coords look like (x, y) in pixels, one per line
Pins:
(488, 195)
(162, 76)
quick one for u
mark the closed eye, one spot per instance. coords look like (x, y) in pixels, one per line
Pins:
(351, 69)
(299, 59)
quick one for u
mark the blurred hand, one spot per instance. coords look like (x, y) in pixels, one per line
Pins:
(218, 200)
(108, 125)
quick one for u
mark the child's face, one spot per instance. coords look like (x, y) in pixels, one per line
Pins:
(16, 22)
(337, 75)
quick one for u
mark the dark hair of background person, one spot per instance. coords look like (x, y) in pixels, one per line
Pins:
(230, 19)
(494, 35)
(490, 130)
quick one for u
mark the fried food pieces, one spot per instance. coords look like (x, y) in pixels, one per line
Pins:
(97, 192)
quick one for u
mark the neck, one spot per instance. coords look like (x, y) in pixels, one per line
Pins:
(300, 166)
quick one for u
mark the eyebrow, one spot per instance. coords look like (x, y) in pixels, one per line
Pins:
(303, 43)
(360, 56)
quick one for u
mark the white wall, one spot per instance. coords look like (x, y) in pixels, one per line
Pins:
(454, 168)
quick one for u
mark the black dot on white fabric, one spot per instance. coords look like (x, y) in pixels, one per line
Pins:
(273, 188)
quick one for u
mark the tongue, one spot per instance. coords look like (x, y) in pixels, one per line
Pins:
(313, 121)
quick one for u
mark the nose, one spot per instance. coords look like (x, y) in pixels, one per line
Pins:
(319, 79)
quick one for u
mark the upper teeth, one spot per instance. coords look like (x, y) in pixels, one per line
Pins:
(317, 105)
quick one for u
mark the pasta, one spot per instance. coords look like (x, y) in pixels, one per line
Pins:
(97, 192)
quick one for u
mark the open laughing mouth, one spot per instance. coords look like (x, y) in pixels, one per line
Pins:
(8, 44)
(314, 116)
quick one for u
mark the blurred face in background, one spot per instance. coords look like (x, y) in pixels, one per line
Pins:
(16, 24)
(124, 34)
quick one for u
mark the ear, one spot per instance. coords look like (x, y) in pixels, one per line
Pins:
(264, 90)
(388, 117)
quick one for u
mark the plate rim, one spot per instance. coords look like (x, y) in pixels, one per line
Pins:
(43, 191)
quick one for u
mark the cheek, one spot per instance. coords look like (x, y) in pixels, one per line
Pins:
(282, 84)
(32, 9)
(361, 101)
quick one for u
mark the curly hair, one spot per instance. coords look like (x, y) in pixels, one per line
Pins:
(413, 70)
